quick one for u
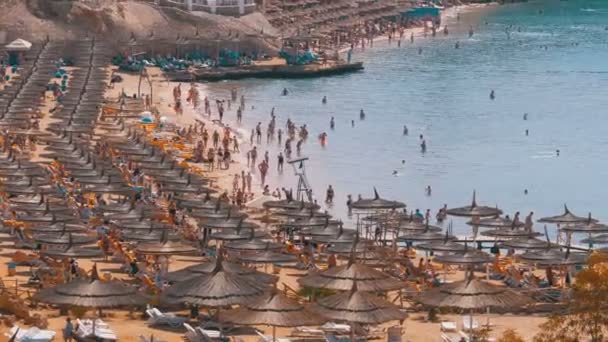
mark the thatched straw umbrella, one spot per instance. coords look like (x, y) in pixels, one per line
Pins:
(275, 310)
(216, 289)
(358, 307)
(64, 239)
(92, 293)
(267, 257)
(343, 278)
(376, 203)
(209, 267)
(474, 210)
(496, 222)
(165, 247)
(566, 218)
(472, 294)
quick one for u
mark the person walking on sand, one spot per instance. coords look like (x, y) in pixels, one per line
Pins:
(280, 136)
(216, 139)
(235, 145)
(249, 179)
(412, 38)
(266, 157)
(254, 155)
(329, 197)
(263, 167)
(68, 330)
(235, 182)
(258, 132)
(243, 181)
(280, 161)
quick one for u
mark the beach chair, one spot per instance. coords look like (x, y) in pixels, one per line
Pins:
(331, 327)
(191, 334)
(265, 338)
(30, 335)
(447, 338)
(156, 317)
(394, 334)
(448, 326)
(469, 323)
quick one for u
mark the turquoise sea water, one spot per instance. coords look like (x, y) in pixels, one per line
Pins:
(443, 93)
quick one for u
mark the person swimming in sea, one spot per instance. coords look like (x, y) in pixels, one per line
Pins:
(420, 51)
(445, 30)
(525, 116)
(285, 92)
(457, 45)
(492, 95)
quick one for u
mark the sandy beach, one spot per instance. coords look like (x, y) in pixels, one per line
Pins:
(128, 326)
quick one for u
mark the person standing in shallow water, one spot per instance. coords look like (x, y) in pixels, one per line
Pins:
(324, 100)
(361, 115)
(332, 123)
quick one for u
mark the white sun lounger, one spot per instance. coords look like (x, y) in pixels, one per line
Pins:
(447, 338)
(449, 326)
(336, 328)
(265, 338)
(156, 317)
(30, 335)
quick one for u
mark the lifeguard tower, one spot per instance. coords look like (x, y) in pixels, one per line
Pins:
(304, 191)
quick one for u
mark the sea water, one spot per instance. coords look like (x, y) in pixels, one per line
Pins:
(553, 65)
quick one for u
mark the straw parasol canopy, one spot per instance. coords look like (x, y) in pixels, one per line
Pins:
(527, 243)
(61, 227)
(356, 306)
(216, 289)
(497, 222)
(344, 277)
(252, 245)
(553, 257)
(276, 310)
(267, 257)
(208, 268)
(446, 245)
(308, 222)
(425, 236)
(230, 224)
(411, 226)
(588, 227)
(510, 233)
(345, 236)
(566, 218)
(474, 210)
(598, 239)
(376, 203)
(142, 225)
(301, 213)
(238, 234)
(469, 257)
(472, 294)
(289, 204)
(64, 239)
(73, 252)
(165, 247)
(92, 293)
